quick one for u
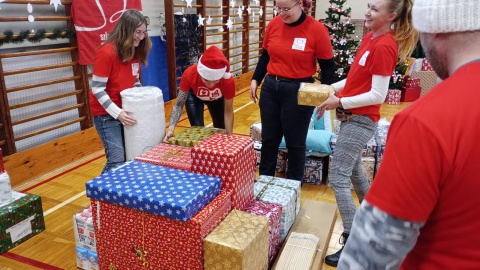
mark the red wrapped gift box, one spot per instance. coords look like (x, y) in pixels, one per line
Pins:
(169, 155)
(273, 212)
(132, 239)
(393, 96)
(411, 93)
(232, 159)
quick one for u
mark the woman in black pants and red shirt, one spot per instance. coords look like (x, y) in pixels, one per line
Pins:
(292, 45)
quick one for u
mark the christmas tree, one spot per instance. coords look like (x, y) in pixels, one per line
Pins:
(341, 31)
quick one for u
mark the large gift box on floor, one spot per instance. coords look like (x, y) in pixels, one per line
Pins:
(280, 191)
(155, 189)
(169, 155)
(410, 94)
(20, 220)
(428, 79)
(194, 135)
(131, 239)
(231, 158)
(239, 242)
(273, 212)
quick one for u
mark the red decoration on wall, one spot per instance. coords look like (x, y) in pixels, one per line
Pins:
(94, 20)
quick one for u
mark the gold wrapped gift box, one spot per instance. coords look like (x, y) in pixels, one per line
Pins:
(239, 242)
(194, 135)
(313, 94)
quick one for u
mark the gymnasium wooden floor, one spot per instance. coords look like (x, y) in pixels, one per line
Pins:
(63, 195)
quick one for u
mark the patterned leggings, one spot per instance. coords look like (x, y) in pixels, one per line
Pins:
(347, 165)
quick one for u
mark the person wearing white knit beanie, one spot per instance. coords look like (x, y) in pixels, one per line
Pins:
(422, 210)
(208, 82)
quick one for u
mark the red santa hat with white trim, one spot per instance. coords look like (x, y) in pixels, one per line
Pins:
(213, 65)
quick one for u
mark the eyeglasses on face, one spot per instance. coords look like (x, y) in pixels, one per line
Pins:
(140, 33)
(286, 10)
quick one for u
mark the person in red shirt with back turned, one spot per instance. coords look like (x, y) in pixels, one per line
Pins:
(358, 99)
(423, 209)
(209, 82)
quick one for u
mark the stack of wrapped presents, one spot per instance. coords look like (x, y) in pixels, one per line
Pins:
(21, 215)
(198, 207)
(85, 247)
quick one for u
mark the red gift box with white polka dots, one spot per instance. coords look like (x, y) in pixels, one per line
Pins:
(232, 159)
(169, 155)
(131, 239)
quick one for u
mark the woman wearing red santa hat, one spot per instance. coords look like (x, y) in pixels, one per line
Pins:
(209, 82)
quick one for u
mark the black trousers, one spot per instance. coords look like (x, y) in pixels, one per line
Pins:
(195, 108)
(282, 116)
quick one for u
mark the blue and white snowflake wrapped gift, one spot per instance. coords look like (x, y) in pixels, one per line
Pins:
(155, 189)
(280, 191)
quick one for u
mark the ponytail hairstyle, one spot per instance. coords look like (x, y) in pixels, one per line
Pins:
(405, 34)
(123, 34)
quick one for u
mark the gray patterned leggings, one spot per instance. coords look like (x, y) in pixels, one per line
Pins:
(347, 165)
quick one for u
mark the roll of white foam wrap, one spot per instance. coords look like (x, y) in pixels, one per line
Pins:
(145, 104)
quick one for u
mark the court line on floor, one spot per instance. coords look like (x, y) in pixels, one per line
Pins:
(60, 174)
(29, 261)
(58, 206)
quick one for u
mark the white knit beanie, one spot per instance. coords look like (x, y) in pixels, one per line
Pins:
(443, 16)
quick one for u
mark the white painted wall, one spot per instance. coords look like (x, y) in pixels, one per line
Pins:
(358, 8)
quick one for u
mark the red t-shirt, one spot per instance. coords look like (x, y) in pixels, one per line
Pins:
(374, 57)
(192, 80)
(294, 50)
(121, 76)
(430, 173)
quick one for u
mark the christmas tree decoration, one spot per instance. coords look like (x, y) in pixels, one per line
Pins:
(200, 20)
(189, 3)
(341, 31)
(239, 12)
(209, 20)
(229, 23)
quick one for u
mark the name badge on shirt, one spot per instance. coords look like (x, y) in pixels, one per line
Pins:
(299, 44)
(363, 59)
(135, 68)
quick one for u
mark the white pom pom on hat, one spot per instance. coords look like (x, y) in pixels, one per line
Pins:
(445, 16)
(213, 65)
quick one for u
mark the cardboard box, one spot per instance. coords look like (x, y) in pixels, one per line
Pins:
(313, 94)
(239, 242)
(317, 218)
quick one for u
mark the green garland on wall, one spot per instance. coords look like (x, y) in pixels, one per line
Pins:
(25, 35)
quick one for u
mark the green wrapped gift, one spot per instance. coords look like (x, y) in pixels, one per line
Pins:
(194, 135)
(20, 220)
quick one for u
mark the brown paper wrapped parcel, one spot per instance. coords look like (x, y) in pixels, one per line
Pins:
(313, 94)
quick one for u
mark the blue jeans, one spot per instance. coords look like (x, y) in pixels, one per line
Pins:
(110, 131)
(282, 116)
(195, 105)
